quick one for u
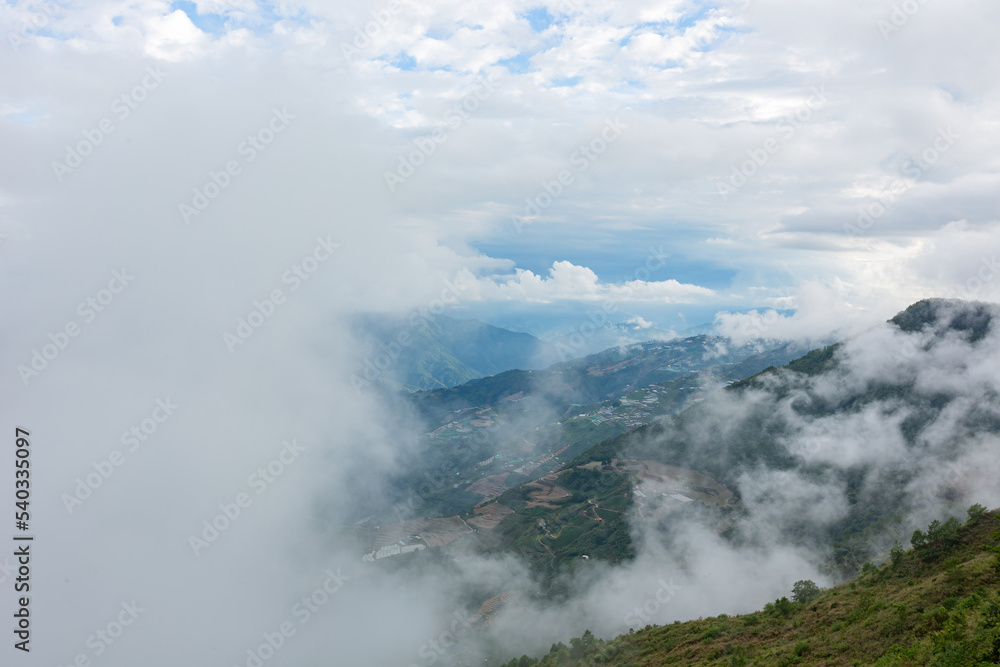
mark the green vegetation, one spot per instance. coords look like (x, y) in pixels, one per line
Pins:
(600, 377)
(973, 319)
(555, 535)
(447, 462)
(724, 449)
(941, 610)
(805, 591)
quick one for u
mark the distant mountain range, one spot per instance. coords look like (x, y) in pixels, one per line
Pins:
(610, 374)
(429, 353)
(524, 422)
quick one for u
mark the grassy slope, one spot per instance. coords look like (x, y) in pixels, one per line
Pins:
(938, 605)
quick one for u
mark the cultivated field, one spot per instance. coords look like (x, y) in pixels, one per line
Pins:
(432, 532)
(489, 487)
(545, 492)
(489, 516)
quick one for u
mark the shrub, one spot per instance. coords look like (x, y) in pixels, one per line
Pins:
(780, 607)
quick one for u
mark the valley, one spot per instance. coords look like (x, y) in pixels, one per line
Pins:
(565, 484)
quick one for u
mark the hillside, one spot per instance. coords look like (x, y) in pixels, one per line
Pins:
(937, 604)
(608, 374)
(835, 455)
(560, 522)
(525, 424)
(810, 421)
(798, 431)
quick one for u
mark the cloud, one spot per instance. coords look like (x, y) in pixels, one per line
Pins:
(639, 322)
(569, 282)
(813, 312)
(703, 89)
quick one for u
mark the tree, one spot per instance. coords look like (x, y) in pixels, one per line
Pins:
(976, 512)
(896, 554)
(805, 591)
(581, 646)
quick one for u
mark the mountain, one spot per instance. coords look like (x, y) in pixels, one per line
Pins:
(933, 605)
(607, 375)
(422, 353)
(517, 426)
(706, 460)
(692, 452)
(783, 437)
(896, 420)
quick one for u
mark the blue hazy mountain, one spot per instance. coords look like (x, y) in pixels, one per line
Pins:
(440, 351)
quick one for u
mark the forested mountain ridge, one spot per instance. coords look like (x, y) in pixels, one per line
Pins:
(890, 419)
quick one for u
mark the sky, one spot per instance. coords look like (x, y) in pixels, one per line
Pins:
(196, 197)
(774, 155)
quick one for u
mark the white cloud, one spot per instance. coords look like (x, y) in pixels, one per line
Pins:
(639, 322)
(779, 243)
(173, 37)
(569, 282)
